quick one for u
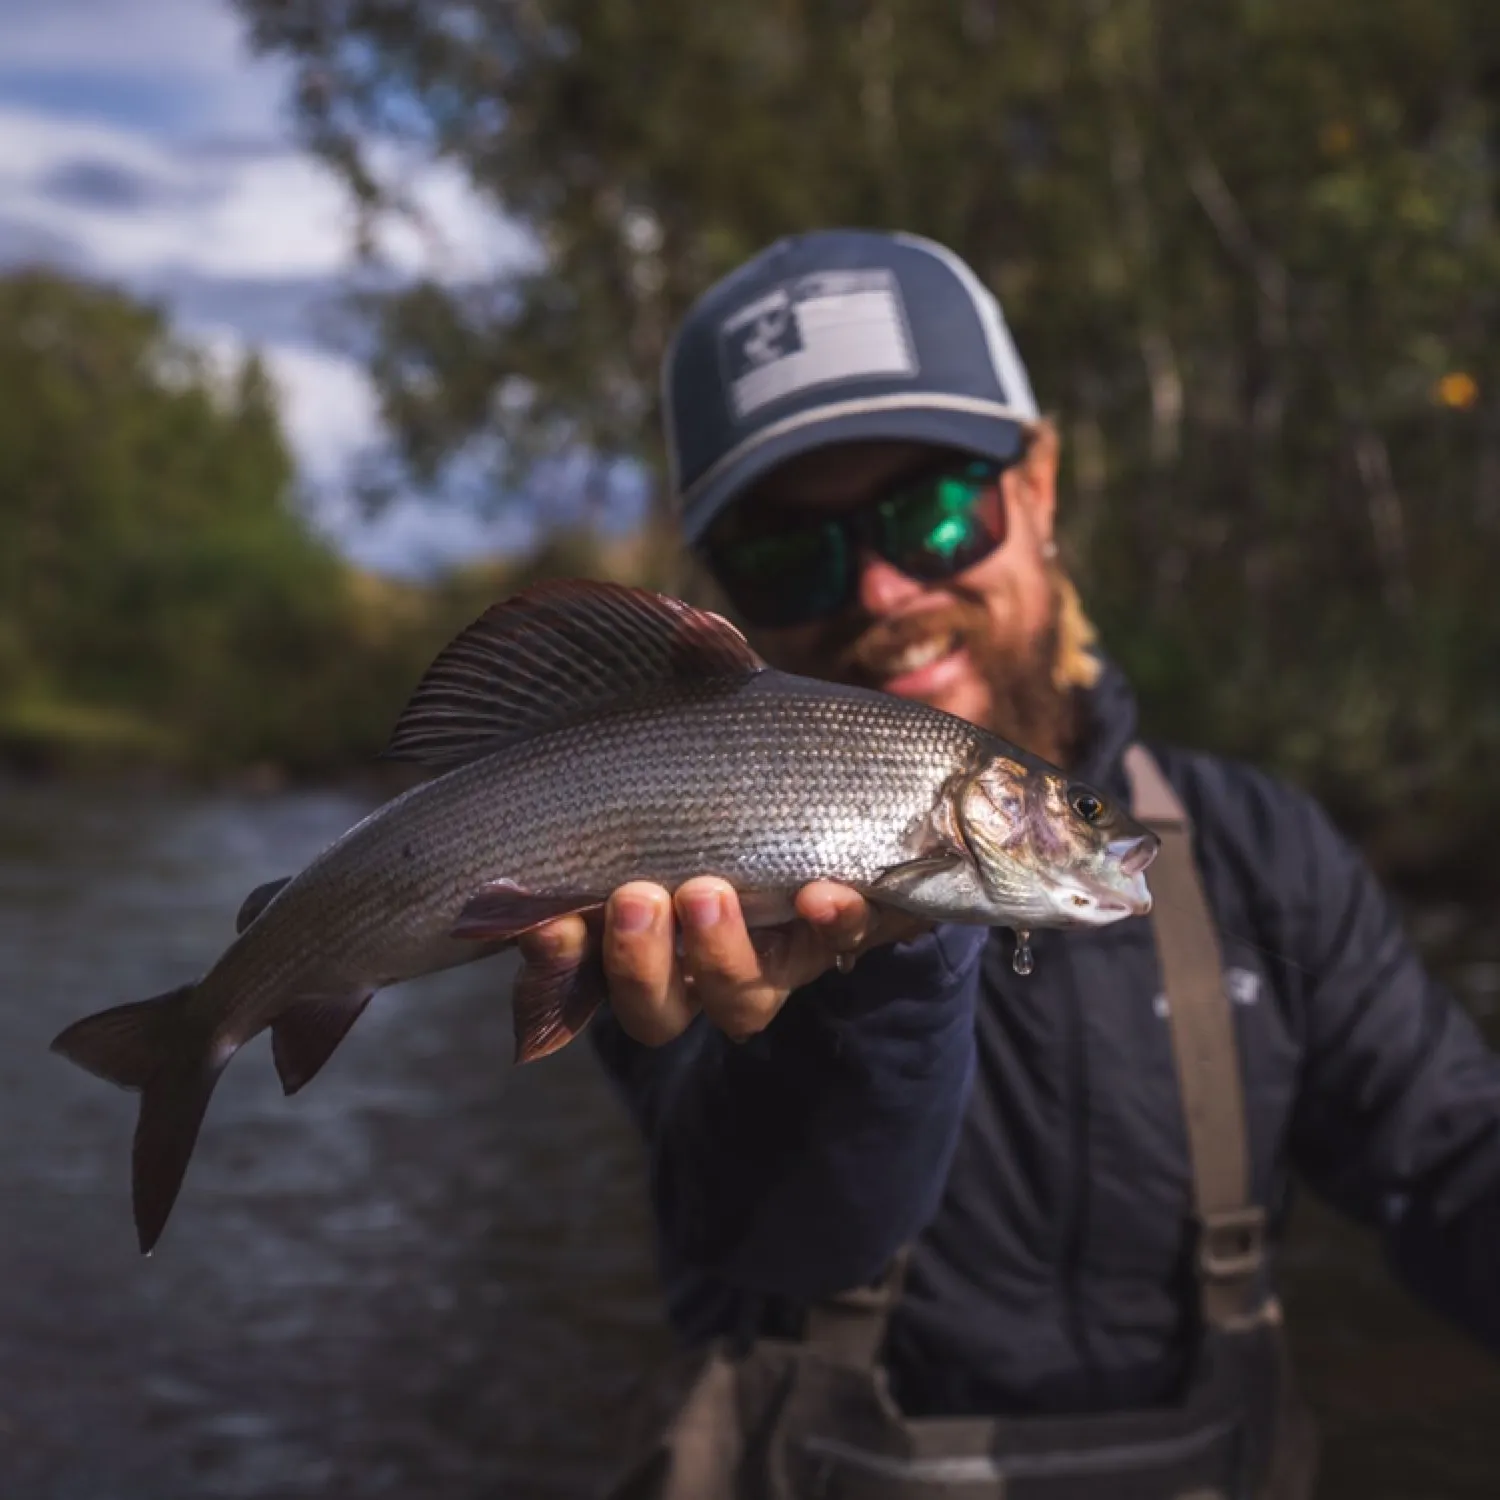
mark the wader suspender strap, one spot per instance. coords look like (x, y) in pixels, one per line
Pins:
(1230, 1248)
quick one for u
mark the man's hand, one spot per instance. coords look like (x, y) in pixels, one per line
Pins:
(738, 980)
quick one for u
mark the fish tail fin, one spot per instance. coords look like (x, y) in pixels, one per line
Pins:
(128, 1043)
(172, 1109)
(154, 1047)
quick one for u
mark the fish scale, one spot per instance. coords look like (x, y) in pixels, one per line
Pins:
(590, 735)
(754, 790)
(769, 785)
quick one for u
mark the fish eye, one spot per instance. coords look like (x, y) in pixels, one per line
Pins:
(1088, 807)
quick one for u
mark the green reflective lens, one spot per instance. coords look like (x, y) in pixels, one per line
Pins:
(942, 525)
(931, 528)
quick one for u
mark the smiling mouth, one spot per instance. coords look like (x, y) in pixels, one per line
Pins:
(918, 655)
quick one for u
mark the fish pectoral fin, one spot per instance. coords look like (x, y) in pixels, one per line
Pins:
(502, 910)
(258, 900)
(554, 1001)
(555, 653)
(304, 1037)
(904, 879)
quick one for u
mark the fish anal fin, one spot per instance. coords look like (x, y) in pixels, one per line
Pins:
(502, 911)
(553, 1002)
(555, 653)
(306, 1036)
(258, 900)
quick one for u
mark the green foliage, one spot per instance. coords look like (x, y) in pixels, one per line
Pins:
(162, 597)
(160, 594)
(1249, 248)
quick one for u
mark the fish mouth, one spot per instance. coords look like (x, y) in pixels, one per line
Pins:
(1133, 855)
(1084, 904)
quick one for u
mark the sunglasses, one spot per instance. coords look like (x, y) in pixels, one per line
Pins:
(930, 528)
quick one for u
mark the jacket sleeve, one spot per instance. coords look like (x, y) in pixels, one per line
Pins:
(797, 1163)
(1398, 1118)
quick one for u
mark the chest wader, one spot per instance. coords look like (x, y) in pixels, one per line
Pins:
(813, 1419)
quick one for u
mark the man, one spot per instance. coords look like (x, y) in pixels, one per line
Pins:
(1075, 1193)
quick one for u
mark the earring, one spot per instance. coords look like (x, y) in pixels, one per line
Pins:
(1049, 549)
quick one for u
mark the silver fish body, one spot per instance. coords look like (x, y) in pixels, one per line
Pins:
(782, 782)
(703, 761)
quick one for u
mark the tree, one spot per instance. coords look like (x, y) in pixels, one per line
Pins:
(156, 574)
(1249, 248)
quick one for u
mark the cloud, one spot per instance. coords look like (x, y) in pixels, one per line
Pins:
(328, 406)
(167, 65)
(97, 183)
(26, 244)
(145, 145)
(269, 215)
(120, 36)
(295, 311)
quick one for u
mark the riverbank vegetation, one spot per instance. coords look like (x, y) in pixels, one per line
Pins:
(163, 600)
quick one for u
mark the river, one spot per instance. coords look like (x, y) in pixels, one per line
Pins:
(429, 1274)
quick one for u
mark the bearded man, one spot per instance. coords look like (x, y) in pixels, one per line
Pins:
(938, 1226)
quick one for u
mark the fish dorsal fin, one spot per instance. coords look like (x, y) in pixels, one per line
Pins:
(556, 653)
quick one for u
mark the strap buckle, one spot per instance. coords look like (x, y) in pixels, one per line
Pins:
(1231, 1244)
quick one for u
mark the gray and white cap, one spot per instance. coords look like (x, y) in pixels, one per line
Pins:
(833, 337)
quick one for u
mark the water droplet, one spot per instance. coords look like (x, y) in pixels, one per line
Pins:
(1022, 960)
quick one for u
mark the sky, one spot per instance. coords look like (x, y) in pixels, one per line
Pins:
(142, 142)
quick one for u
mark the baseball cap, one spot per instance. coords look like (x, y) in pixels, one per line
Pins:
(830, 337)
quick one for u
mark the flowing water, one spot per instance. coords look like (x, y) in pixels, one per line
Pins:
(429, 1275)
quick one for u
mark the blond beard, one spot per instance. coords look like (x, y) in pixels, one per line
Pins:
(1036, 691)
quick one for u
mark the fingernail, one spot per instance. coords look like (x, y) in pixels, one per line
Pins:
(633, 914)
(704, 908)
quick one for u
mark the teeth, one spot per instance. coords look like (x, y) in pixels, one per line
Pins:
(920, 654)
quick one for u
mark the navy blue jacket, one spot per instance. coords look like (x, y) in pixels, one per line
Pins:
(1027, 1133)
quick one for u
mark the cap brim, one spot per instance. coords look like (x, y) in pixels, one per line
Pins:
(986, 435)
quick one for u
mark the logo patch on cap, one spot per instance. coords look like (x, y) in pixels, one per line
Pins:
(833, 325)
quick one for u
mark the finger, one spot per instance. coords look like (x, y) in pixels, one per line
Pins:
(562, 941)
(729, 981)
(850, 922)
(646, 991)
(840, 916)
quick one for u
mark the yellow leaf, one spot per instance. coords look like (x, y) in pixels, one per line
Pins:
(1457, 390)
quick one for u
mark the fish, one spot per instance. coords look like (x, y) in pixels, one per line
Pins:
(580, 735)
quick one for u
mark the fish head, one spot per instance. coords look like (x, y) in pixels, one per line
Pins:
(1052, 851)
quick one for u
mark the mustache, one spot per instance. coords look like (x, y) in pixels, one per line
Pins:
(865, 650)
(1027, 707)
